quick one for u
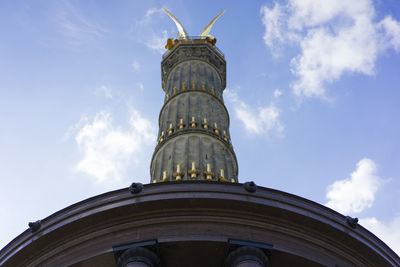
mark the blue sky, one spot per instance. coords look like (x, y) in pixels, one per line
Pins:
(312, 91)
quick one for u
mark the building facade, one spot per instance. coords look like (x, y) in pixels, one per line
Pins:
(195, 212)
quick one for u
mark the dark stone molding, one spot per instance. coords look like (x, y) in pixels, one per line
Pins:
(184, 52)
(197, 212)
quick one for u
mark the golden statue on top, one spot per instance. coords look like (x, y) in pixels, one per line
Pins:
(205, 34)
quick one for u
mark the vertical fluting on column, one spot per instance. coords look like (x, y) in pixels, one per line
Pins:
(194, 140)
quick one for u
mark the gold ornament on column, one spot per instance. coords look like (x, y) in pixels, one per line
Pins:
(205, 124)
(225, 136)
(216, 129)
(208, 173)
(161, 138)
(181, 125)
(178, 174)
(193, 172)
(221, 177)
(165, 177)
(193, 123)
(170, 130)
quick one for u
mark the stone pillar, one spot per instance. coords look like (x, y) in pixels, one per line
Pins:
(138, 257)
(193, 140)
(247, 257)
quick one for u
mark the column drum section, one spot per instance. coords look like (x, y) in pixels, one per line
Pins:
(193, 140)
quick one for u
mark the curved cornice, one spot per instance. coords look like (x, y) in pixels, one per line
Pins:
(197, 210)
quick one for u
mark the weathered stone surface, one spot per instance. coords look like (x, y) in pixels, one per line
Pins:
(194, 122)
(195, 74)
(185, 52)
(194, 104)
(198, 147)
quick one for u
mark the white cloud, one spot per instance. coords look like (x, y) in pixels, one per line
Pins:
(356, 193)
(75, 26)
(105, 91)
(335, 37)
(392, 33)
(149, 14)
(136, 66)
(388, 232)
(149, 32)
(273, 19)
(140, 85)
(157, 42)
(264, 120)
(107, 150)
(277, 93)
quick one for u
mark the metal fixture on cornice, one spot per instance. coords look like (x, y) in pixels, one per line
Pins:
(34, 226)
(250, 187)
(135, 188)
(352, 222)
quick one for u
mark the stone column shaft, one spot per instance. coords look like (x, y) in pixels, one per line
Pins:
(194, 140)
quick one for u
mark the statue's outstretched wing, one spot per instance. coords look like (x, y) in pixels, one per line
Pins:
(206, 31)
(181, 30)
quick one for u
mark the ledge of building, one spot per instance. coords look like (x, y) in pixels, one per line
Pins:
(199, 214)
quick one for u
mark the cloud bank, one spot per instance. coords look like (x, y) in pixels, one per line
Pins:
(264, 120)
(149, 32)
(389, 232)
(334, 38)
(107, 149)
(356, 193)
